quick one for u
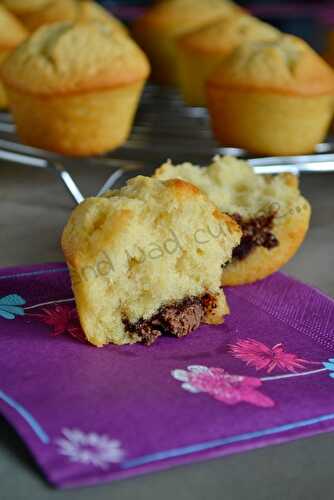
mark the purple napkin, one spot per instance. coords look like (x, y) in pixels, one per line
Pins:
(92, 415)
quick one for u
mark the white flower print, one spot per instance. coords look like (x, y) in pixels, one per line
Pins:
(183, 376)
(89, 448)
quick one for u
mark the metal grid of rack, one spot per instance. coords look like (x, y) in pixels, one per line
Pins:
(164, 128)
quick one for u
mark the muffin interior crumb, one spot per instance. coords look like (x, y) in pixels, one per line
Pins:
(258, 203)
(144, 258)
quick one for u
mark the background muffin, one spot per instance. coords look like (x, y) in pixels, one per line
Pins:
(74, 89)
(138, 267)
(273, 97)
(156, 31)
(91, 11)
(36, 13)
(24, 6)
(12, 33)
(200, 52)
(273, 215)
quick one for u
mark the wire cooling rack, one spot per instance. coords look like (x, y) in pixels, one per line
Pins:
(164, 128)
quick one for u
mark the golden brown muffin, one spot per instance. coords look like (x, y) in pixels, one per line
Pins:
(91, 11)
(19, 7)
(157, 30)
(12, 33)
(200, 52)
(272, 97)
(139, 266)
(74, 89)
(36, 13)
(273, 215)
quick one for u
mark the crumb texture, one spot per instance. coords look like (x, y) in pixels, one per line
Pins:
(271, 211)
(234, 187)
(137, 250)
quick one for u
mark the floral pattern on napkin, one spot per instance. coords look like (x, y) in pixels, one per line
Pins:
(90, 415)
(89, 448)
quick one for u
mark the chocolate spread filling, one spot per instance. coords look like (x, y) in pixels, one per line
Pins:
(256, 232)
(177, 319)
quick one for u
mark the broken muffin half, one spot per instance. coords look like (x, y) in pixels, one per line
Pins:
(272, 213)
(146, 261)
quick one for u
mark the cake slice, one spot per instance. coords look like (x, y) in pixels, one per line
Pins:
(146, 261)
(273, 215)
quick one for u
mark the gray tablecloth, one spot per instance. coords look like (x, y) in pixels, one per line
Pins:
(33, 210)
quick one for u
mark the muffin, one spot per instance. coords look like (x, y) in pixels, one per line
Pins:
(12, 33)
(36, 13)
(273, 215)
(74, 89)
(138, 267)
(91, 11)
(200, 52)
(157, 30)
(19, 7)
(272, 98)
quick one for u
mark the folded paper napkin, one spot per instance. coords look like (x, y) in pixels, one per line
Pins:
(91, 415)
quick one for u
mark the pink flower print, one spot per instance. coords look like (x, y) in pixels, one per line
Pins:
(227, 388)
(262, 357)
(62, 319)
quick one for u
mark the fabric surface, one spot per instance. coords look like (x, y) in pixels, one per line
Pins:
(91, 415)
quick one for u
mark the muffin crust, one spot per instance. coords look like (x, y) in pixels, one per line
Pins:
(272, 98)
(54, 60)
(157, 30)
(200, 52)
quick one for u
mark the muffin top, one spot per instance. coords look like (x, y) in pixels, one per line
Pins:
(181, 16)
(285, 65)
(55, 11)
(67, 58)
(91, 11)
(228, 32)
(25, 6)
(41, 12)
(11, 30)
